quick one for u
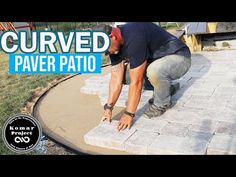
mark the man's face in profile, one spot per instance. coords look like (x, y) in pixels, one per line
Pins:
(114, 46)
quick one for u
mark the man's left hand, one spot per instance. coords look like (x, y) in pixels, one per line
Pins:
(125, 121)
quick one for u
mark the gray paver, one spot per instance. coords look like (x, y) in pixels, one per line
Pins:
(226, 128)
(222, 144)
(207, 126)
(177, 129)
(149, 125)
(139, 142)
(200, 135)
(106, 135)
(167, 144)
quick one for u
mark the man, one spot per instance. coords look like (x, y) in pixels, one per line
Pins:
(149, 50)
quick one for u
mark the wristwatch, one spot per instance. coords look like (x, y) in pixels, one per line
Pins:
(129, 114)
(106, 106)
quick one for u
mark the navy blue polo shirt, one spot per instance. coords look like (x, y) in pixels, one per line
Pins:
(147, 41)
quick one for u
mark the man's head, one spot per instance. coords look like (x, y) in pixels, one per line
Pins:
(115, 37)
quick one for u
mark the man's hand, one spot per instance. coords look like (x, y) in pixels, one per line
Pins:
(125, 121)
(107, 115)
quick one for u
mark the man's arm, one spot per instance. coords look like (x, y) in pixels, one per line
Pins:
(116, 83)
(115, 87)
(135, 88)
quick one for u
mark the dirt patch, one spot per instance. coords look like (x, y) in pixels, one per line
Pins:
(54, 148)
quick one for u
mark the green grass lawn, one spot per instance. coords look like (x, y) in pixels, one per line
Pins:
(16, 90)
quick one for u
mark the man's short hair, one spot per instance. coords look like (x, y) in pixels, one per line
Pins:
(104, 28)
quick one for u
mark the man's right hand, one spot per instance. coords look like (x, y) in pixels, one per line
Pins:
(107, 115)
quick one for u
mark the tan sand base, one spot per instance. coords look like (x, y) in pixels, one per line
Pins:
(67, 115)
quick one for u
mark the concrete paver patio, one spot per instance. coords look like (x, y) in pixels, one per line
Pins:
(202, 121)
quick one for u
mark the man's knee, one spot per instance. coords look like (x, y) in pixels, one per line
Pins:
(154, 74)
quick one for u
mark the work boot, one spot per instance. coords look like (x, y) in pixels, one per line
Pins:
(173, 90)
(155, 111)
(151, 100)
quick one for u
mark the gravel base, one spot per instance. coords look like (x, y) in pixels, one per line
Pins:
(55, 149)
(49, 147)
